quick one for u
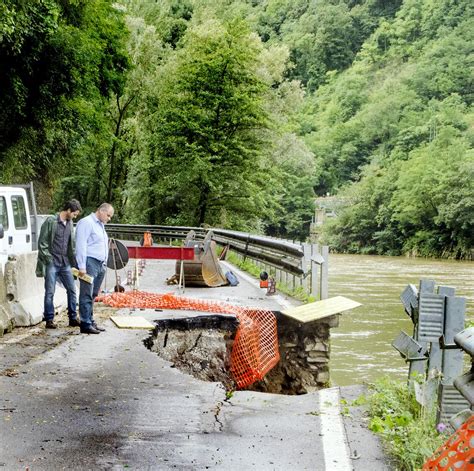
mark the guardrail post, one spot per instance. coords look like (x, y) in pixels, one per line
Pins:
(450, 400)
(437, 318)
(426, 287)
(454, 323)
(321, 260)
(314, 270)
(325, 273)
(465, 383)
(306, 267)
(246, 246)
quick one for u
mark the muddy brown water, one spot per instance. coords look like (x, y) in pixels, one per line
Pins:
(361, 348)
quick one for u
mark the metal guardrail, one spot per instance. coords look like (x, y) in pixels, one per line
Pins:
(157, 232)
(280, 254)
(438, 317)
(295, 263)
(283, 255)
(465, 383)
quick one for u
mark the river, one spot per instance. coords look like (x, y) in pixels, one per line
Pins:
(361, 347)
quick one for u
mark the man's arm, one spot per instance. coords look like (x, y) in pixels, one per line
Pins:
(83, 231)
(44, 251)
(71, 246)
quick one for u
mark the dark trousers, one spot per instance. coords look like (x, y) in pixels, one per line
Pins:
(53, 273)
(89, 291)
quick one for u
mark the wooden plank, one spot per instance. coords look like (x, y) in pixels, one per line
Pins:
(321, 309)
(131, 322)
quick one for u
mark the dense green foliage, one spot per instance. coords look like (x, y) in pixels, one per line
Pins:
(237, 113)
(60, 62)
(398, 123)
(205, 129)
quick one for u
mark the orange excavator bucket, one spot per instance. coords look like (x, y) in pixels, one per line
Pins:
(205, 269)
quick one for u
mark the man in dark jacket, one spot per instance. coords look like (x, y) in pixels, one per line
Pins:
(55, 259)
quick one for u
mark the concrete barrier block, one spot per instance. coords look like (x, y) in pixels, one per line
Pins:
(6, 319)
(24, 291)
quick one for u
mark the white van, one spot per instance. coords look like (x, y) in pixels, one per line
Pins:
(15, 222)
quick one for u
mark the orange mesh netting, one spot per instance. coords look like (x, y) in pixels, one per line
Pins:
(457, 453)
(255, 351)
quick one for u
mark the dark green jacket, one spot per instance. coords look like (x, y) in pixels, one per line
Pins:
(45, 243)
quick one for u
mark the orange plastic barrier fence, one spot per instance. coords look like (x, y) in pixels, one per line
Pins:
(255, 351)
(457, 453)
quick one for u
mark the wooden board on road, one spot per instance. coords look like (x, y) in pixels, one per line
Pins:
(320, 309)
(129, 322)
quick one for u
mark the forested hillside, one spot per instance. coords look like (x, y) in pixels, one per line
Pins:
(239, 113)
(394, 132)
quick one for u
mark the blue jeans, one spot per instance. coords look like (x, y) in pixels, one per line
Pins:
(54, 272)
(88, 292)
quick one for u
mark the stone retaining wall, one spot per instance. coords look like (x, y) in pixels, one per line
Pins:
(304, 357)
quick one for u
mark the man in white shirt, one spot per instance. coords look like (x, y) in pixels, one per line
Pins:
(92, 249)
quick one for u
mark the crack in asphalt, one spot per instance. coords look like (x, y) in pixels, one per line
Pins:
(217, 411)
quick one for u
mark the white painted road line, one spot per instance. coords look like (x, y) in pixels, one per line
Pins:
(336, 450)
(334, 440)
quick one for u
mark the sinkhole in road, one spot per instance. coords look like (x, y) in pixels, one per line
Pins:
(201, 345)
(198, 345)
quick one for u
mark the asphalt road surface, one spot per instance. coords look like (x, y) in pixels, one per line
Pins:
(104, 402)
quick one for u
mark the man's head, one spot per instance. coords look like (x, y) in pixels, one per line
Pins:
(104, 213)
(71, 209)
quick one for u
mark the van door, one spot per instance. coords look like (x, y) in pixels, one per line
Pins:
(21, 221)
(4, 220)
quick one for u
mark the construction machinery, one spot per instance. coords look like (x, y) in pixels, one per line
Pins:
(204, 269)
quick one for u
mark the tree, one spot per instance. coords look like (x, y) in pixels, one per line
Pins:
(60, 62)
(434, 200)
(147, 53)
(402, 109)
(206, 146)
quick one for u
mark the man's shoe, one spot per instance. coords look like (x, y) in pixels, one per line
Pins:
(89, 330)
(74, 323)
(96, 327)
(51, 325)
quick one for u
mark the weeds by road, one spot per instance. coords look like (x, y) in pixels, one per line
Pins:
(408, 430)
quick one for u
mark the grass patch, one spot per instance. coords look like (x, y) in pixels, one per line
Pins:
(407, 429)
